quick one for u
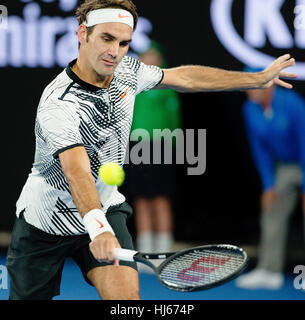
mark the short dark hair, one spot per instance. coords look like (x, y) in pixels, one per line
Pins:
(90, 5)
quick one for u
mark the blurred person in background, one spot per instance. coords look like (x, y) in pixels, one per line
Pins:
(152, 186)
(275, 126)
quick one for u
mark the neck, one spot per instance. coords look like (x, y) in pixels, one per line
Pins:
(88, 75)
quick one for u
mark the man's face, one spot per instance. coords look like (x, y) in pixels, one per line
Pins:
(105, 47)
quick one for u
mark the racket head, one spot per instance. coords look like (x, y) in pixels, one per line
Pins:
(202, 267)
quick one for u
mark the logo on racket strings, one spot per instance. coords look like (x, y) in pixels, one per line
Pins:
(191, 274)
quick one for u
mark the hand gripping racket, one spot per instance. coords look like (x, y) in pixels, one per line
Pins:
(192, 269)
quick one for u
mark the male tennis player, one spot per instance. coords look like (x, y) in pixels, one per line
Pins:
(83, 120)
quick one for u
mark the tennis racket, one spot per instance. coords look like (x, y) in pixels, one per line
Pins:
(192, 269)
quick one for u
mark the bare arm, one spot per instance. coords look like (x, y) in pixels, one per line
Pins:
(76, 167)
(201, 79)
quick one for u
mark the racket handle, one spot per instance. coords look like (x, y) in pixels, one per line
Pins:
(124, 254)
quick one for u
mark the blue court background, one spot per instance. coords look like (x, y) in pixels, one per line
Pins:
(74, 287)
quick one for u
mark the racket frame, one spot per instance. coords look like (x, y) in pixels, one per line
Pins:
(169, 256)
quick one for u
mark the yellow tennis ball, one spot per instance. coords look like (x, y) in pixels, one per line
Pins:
(112, 174)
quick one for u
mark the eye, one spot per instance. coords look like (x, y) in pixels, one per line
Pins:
(124, 44)
(106, 39)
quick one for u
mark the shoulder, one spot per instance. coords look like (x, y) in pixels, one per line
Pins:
(56, 89)
(129, 64)
(53, 106)
(133, 65)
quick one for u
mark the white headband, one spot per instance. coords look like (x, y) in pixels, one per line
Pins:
(109, 15)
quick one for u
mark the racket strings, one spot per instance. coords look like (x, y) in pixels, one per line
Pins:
(198, 268)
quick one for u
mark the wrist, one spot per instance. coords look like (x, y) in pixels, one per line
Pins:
(262, 78)
(267, 79)
(96, 223)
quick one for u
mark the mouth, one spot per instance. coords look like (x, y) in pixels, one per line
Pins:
(108, 63)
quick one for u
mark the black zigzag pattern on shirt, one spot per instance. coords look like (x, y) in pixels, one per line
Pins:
(54, 176)
(65, 219)
(101, 126)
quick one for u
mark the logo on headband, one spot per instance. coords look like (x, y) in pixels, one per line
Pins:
(121, 16)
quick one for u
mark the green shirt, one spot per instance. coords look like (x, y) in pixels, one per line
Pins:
(157, 109)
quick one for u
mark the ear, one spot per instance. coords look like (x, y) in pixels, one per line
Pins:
(82, 34)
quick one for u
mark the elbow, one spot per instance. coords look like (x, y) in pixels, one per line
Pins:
(76, 170)
(77, 174)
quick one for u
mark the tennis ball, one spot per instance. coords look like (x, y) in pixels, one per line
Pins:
(112, 174)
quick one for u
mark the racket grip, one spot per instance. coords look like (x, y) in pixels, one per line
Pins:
(124, 254)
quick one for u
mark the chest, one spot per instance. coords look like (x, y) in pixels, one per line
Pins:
(105, 114)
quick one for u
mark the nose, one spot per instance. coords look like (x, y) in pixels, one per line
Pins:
(114, 50)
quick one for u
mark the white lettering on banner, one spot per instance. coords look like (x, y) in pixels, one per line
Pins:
(299, 23)
(263, 20)
(35, 41)
(64, 5)
(3, 17)
(140, 40)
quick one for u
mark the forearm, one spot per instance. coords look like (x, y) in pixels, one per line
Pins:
(84, 192)
(87, 201)
(200, 79)
(203, 79)
(75, 164)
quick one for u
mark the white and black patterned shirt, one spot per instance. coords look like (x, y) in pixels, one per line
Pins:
(74, 113)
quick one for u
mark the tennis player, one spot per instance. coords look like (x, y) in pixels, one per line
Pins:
(83, 120)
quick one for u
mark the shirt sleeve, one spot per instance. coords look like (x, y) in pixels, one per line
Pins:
(148, 77)
(59, 125)
(262, 158)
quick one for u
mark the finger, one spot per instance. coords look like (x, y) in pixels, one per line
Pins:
(116, 263)
(283, 62)
(288, 75)
(284, 57)
(283, 83)
(94, 251)
(290, 63)
(110, 251)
